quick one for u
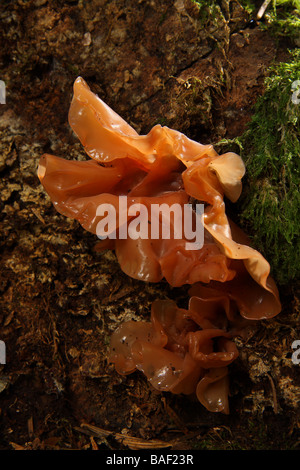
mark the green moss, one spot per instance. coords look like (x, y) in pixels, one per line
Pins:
(248, 5)
(283, 18)
(222, 439)
(253, 433)
(207, 9)
(270, 147)
(213, 17)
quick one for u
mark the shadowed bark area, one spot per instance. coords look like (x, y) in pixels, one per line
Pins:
(197, 70)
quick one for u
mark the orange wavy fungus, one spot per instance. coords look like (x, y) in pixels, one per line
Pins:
(182, 351)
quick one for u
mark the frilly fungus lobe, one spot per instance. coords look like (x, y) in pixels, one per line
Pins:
(183, 351)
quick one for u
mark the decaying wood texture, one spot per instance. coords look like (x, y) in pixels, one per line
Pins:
(152, 61)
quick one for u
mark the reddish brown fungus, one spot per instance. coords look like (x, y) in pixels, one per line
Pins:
(183, 351)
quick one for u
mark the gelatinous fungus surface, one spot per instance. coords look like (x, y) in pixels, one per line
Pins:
(182, 351)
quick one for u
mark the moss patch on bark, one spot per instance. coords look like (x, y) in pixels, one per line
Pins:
(270, 147)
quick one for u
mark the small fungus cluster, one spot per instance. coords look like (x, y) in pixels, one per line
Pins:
(182, 351)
